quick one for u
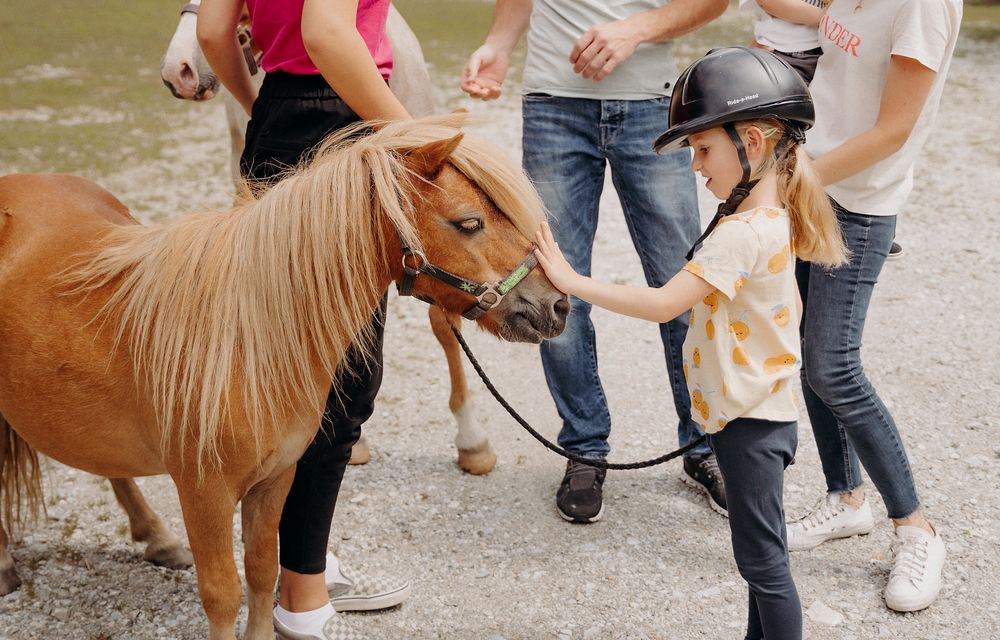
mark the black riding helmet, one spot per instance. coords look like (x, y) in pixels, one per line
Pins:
(730, 85)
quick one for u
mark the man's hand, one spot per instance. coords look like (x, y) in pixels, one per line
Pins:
(604, 47)
(484, 73)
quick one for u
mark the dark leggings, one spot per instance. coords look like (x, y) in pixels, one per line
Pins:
(291, 116)
(752, 456)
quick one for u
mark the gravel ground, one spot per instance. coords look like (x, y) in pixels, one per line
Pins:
(488, 557)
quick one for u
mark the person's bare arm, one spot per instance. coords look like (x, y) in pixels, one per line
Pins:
(330, 34)
(907, 85)
(603, 47)
(486, 69)
(217, 21)
(796, 11)
(661, 304)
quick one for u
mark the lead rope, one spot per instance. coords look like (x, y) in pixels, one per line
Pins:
(591, 462)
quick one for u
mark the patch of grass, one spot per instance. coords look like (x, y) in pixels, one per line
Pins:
(70, 525)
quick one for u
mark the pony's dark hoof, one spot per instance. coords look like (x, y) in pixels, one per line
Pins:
(176, 557)
(9, 581)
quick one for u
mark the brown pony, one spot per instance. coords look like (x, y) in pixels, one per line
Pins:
(204, 348)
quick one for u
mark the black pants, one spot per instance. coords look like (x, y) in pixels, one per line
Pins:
(804, 62)
(291, 116)
(752, 456)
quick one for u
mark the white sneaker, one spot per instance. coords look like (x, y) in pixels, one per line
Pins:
(829, 519)
(915, 579)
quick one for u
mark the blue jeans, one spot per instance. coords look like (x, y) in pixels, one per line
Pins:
(567, 143)
(753, 455)
(851, 424)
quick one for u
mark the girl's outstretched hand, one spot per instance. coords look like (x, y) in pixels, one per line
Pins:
(558, 270)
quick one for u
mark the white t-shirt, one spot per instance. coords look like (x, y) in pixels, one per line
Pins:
(556, 25)
(848, 86)
(742, 349)
(781, 35)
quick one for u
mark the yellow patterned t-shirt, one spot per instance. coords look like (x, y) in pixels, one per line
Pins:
(742, 347)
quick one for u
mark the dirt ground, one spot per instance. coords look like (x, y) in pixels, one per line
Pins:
(488, 557)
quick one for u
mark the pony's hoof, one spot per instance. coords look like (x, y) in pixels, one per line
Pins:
(9, 581)
(175, 557)
(478, 461)
(360, 453)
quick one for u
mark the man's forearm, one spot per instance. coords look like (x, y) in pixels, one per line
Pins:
(510, 21)
(677, 18)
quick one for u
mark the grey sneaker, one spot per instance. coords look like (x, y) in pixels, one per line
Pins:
(352, 591)
(701, 472)
(580, 497)
(335, 628)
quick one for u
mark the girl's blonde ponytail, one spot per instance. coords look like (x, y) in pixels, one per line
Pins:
(816, 233)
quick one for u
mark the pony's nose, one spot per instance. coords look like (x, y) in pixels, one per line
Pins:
(560, 311)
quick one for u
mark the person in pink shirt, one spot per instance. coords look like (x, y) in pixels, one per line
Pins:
(327, 64)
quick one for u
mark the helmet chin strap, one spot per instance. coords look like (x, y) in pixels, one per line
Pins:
(736, 196)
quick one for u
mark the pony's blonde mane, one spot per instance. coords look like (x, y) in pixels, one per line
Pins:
(230, 315)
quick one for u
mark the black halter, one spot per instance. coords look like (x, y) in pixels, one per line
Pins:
(487, 294)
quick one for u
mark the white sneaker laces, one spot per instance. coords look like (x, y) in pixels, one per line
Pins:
(910, 559)
(822, 513)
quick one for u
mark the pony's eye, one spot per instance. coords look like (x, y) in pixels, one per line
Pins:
(469, 225)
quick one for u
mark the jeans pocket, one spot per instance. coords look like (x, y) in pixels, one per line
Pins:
(538, 97)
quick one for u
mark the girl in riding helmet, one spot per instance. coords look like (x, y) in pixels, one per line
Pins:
(743, 111)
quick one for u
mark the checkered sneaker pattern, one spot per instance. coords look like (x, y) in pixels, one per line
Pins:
(335, 628)
(366, 593)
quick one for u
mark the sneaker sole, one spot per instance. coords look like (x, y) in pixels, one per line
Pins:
(840, 535)
(907, 606)
(700, 488)
(580, 520)
(371, 603)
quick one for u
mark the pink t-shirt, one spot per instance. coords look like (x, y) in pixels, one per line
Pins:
(277, 29)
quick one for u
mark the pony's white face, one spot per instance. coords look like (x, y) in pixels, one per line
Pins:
(463, 232)
(183, 69)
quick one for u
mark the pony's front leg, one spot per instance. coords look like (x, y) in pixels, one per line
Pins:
(208, 506)
(9, 580)
(163, 548)
(475, 453)
(261, 512)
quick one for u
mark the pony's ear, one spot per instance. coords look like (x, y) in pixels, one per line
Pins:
(428, 159)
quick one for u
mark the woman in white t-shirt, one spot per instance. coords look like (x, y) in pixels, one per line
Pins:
(876, 90)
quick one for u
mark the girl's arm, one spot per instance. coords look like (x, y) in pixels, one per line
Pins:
(656, 305)
(330, 34)
(217, 21)
(796, 11)
(907, 85)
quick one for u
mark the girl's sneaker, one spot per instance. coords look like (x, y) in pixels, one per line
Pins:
(350, 591)
(915, 579)
(829, 519)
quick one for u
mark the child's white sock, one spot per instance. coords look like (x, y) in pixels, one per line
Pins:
(305, 621)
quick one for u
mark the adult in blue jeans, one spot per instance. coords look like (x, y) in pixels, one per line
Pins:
(596, 93)
(877, 89)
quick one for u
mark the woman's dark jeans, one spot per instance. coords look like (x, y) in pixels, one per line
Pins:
(851, 424)
(752, 456)
(291, 116)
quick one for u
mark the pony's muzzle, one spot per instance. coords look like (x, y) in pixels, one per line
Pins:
(532, 319)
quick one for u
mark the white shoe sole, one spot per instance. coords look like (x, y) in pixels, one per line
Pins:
(589, 520)
(862, 530)
(371, 603)
(906, 605)
(700, 488)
